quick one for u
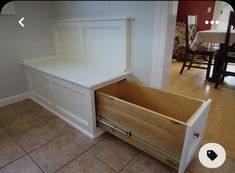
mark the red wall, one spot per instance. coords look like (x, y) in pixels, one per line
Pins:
(196, 7)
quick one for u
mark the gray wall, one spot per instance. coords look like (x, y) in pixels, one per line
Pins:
(142, 26)
(17, 44)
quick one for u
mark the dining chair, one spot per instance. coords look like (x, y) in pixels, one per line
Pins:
(226, 53)
(191, 29)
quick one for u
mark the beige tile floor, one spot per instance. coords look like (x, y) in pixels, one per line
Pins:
(33, 140)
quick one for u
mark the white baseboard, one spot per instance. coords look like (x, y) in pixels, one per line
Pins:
(14, 99)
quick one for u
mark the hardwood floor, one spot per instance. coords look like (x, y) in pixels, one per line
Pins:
(221, 122)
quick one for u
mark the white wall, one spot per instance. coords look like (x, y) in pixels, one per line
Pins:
(165, 22)
(142, 30)
(221, 13)
(17, 44)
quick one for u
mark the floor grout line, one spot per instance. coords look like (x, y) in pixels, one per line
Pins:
(67, 131)
(101, 161)
(13, 161)
(35, 163)
(129, 162)
(90, 146)
(85, 151)
(70, 161)
(88, 150)
(26, 153)
(51, 140)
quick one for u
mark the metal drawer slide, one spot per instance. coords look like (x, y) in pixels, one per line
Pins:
(138, 138)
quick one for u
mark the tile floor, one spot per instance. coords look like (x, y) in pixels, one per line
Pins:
(33, 140)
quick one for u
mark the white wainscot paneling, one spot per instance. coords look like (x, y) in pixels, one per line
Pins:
(89, 54)
(72, 101)
(100, 46)
(68, 41)
(40, 87)
(103, 43)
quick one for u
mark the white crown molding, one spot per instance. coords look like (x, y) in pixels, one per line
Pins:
(92, 19)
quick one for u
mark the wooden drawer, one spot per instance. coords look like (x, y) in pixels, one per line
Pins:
(165, 125)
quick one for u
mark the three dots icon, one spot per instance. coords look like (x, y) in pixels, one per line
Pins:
(211, 22)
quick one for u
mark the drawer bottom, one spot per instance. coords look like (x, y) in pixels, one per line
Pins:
(131, 138)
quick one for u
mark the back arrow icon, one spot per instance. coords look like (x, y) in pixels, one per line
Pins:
(20, 21)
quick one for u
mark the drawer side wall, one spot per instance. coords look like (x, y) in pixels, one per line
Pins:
(172, 163)
(172, 105)
(158, 130)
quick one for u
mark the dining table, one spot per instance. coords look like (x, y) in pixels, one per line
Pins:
(212, 36)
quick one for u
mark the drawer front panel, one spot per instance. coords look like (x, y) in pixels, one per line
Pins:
(194, 134)
(153, 127)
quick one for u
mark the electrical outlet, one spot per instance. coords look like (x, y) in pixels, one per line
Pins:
(209, 10)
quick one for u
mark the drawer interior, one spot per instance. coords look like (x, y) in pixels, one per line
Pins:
(171, 105)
